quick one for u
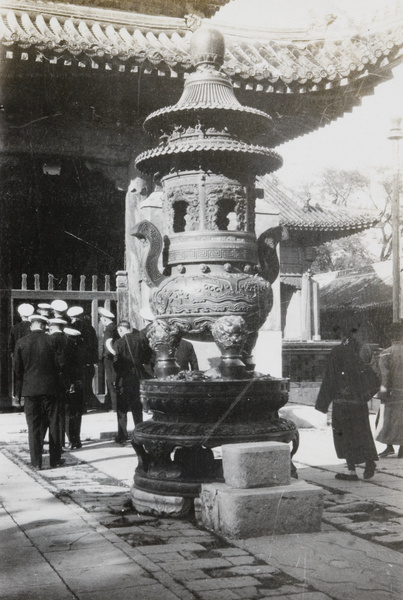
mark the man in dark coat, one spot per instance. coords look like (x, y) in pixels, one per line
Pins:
(22, 328)
(75, 392)
(345, 383)
(109, 336)
(132, 352)
(88, 353)
(37, 373)
(18, 331)
(60, 344)
(186, 357)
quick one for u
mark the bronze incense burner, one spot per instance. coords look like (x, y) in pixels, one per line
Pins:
(212, 288)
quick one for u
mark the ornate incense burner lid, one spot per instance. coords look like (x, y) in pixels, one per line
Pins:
(209, 91)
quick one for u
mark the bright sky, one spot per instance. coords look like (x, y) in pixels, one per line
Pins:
(358, 140)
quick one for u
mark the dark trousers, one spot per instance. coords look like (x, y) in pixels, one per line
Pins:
(35, 407)
(90, 399)
(128, 398)
(110, 380)
(74, 411)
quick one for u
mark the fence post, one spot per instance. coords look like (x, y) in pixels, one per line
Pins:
(107, 289)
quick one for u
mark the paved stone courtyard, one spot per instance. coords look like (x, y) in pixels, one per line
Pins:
(75, 532)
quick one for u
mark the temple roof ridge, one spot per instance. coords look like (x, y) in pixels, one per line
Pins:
(325, 217)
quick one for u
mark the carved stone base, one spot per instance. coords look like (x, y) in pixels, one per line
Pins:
(148, 503)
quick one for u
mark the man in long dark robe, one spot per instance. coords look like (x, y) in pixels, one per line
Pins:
(345, 385)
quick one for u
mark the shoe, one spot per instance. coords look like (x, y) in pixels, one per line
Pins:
(347, 476)
(76, 446)
(121, 442)
(58, 464)
(369, 470)
(35, 468)
(387, 452)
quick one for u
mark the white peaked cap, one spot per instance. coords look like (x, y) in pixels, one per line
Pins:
(59, 305)
(57, 322)
(104, 312)
(26, 310)
(38, 318)
(44, 306)
(74, 311)
(71, 331)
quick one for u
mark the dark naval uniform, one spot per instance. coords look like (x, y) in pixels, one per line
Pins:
(37, 380)
(88, 357)
(18, 331)
(61, 346)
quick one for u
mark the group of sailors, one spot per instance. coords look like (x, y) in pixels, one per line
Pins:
(55, 349)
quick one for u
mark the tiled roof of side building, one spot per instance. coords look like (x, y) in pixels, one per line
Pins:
(330, 217)
(359, 289)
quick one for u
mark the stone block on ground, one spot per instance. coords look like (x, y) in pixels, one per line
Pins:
(257, 464)
(248, 513)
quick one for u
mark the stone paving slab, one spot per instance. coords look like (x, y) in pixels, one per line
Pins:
(93, 489)
(339, 564)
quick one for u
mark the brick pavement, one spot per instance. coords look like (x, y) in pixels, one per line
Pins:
(75, 532)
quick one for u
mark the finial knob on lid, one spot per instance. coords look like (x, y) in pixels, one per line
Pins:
(207, 46)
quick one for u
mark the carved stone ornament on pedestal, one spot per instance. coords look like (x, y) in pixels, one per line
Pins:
(212, 286)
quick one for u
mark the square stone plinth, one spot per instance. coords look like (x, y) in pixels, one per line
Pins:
(246, 513)
(257, 464)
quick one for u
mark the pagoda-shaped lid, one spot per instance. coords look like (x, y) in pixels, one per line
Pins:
(208, 93)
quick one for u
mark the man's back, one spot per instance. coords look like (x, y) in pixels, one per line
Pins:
(132, 352)
(35, 366)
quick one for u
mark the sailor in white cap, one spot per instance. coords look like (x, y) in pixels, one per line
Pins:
(22, 328)
(37, 381)
(44, 309)
(88, 353)
(75, 396)
(60, 344)
(74, 312)
(59, 308)
(110, 332)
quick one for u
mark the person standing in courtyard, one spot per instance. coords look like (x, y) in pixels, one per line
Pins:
(132, 352)
(75, 392)
(185, 356)
(109, 336)
(349, 382)
(88, 353)
(22, 328)
(37, 381)
(389, 429)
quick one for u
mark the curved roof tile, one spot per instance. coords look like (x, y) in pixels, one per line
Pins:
(278, 66)
(316, 217)
(286, 60)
